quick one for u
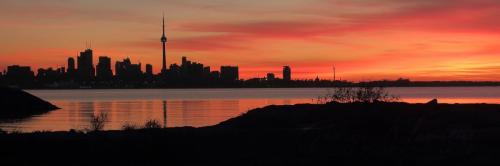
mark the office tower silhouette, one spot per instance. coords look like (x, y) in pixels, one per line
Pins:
(49, 75)
(20, 75)
(86, 70)
(103, 67)
(71, 70)
(71, 65)
(287, 73)
(149, 69)
(126, 71)
(229, 73)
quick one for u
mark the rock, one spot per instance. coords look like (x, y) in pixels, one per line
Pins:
(16, 103)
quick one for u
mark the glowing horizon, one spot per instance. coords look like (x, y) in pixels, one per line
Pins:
(363, 39)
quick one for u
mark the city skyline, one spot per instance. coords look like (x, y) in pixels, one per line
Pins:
(364, 40)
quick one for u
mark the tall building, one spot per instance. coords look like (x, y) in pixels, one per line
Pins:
(149, 69)
(185, 61)
(149, 76)
(104, 72)
(71, 65)
(206, 71)
(229, 73)
(126, 71)
(164, 41)
(71, 72)
(86, 70)
(287, 73)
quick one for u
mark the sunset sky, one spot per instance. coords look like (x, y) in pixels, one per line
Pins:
(364, 39)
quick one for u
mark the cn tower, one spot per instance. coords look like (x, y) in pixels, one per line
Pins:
(164, 41)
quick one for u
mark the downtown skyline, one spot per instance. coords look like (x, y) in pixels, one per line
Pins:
(364, 40)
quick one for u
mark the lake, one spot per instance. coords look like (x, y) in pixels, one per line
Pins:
(199, 107)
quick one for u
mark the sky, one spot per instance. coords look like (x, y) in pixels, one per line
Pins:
(364, 39)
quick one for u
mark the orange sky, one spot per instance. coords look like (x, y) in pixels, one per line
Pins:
(364, 39)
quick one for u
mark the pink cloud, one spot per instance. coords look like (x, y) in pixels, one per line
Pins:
(429, 15)
(201, 43)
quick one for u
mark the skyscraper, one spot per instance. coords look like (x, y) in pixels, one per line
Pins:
(104, 72)
(229, 73)
(164, 41)
(71, 65)
(149, 69)
(86, 70)
(148, 76)
(287, 73)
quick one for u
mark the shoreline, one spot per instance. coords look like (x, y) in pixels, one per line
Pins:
(319, 87)
(301, 134)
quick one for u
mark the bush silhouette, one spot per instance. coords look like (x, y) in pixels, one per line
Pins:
(129, 126)
(366, 94)
(152, 124)
(98, 122)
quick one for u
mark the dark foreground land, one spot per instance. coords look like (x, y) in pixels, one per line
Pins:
(16, 103)
(309, 134)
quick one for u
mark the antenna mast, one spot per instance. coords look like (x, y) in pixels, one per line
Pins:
(334, 74)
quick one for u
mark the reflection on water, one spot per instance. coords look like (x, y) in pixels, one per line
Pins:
(171, 113)
(199, 107)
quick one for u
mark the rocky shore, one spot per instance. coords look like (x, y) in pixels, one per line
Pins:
(16, 103)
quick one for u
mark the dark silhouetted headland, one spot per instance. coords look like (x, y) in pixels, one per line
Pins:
(16, 103)
(303, 134)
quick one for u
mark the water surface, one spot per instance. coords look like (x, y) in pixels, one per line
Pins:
(200, 107)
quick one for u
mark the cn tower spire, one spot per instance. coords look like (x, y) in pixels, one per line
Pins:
(163, 25)
(164, 41)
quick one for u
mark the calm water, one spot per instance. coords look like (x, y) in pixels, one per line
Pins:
(199, 107)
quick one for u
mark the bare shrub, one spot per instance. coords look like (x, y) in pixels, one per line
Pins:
(129, 126)
(373, 94)
(342, 95)
(152, 124)
(97, 122)
(365, 94)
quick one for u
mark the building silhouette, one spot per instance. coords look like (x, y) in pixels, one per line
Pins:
(191, 71)
(214, 75)
(188, 73)
(163, 42)
(148, 75)
(19, 75)
(103, 67)
(149, 69)
(126, 71)
(71, 66)
(270, 77)
(81, 73)
(229, 73)
(71, 70)
(86, 70)
(49, 75)
(287, 73)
